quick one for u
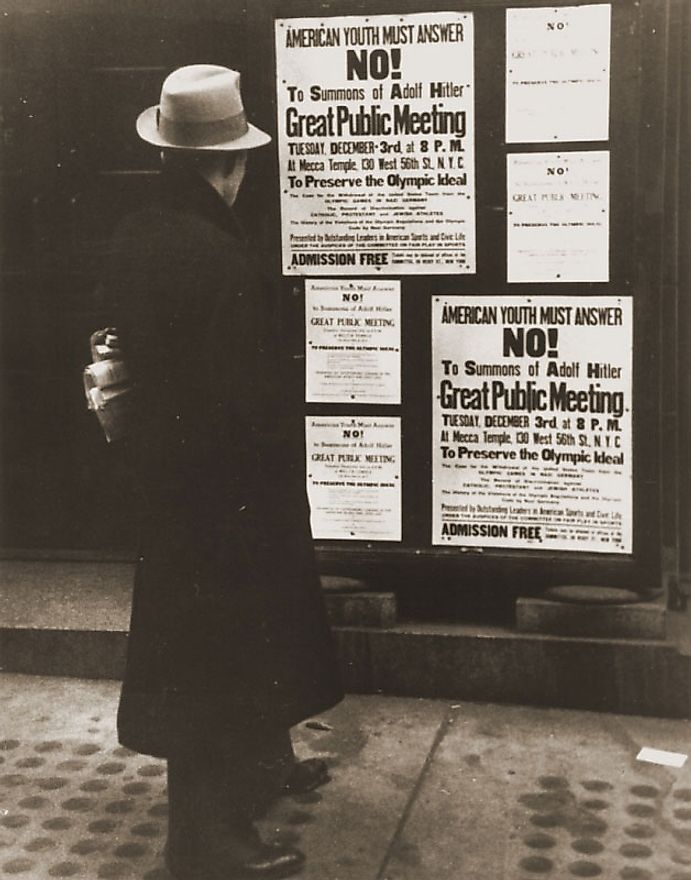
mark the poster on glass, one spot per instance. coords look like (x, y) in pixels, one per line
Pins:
(557, 73)
(558, 216)
(377, 144)
(532, 431)
(353, 341)
(354, 477)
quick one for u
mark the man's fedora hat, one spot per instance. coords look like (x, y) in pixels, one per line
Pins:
(200, 109)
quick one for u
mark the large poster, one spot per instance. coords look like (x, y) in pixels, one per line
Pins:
(558, 223)
(354, 477)
(557, 74)
(376, 144)
(353, 341)
(532, 439)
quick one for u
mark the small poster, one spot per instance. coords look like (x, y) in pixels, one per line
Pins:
(353, 341)
(531, 432)
(557, 73)
(354, 477)
(377, 144)
(558, 216)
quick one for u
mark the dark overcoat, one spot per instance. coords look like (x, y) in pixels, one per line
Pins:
(228, 638)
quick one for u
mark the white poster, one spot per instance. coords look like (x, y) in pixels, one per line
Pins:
(557, 74)
(532, 439)
(376, 144)
(354, 477)
(353, 341)
(558, 216)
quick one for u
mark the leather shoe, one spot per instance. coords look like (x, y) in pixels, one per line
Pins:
(306, 776)
(270, 861)
(303, 776)
(266, 862)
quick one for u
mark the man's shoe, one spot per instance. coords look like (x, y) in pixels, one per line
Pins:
(266, 862)
(306, 776)
(210, 835)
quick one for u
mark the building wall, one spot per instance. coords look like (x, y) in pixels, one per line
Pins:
(75, 75)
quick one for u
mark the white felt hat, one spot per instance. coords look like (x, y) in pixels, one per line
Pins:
(200, 109)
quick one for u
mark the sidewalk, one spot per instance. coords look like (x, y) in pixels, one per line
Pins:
(420, 790)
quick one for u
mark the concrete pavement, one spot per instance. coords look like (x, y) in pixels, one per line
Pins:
(421, 790)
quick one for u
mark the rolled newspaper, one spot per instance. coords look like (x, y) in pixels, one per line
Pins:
(108, 392)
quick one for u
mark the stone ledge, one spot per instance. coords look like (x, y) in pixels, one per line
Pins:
(71, 619)
(485, 664)
(361, 609)
(629, 676)
(643, 620)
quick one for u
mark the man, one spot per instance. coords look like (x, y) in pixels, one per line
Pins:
(229, 645)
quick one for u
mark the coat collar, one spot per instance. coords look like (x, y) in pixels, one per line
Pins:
(188, 191)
